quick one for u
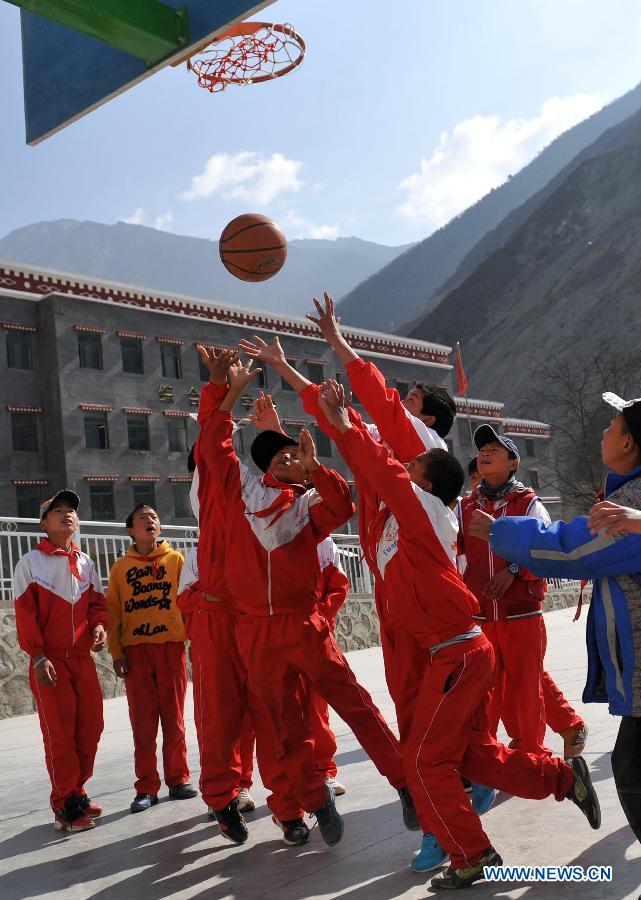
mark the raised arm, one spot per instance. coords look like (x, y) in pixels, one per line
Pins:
(564, 549)
(334, 506)
(272, 355)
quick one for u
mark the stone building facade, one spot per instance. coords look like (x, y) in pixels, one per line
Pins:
(98, 380)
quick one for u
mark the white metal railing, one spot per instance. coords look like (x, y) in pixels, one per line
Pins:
(105, 542)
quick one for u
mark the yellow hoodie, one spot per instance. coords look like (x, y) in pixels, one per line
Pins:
(141, 599)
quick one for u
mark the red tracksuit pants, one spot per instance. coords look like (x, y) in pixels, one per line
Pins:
(156, 684)
(70, 716)
(519, 649)
(277, 650)
(226, 716)
(450, 738)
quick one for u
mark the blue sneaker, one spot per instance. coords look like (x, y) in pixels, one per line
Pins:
(482, 798)
(430, 856)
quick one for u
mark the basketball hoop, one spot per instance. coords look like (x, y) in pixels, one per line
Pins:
(248, 53)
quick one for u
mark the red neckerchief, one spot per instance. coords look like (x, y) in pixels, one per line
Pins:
(72, 555)
(286, 498)
(153, 562)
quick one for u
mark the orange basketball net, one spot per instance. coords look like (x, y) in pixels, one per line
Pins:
(248, 53)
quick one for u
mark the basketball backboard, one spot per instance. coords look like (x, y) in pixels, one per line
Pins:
(68, 73)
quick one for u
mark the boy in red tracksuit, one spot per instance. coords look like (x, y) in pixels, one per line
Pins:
(511, 605)
(449, 735)
(277, 523)
(60, 618)
(192, 603)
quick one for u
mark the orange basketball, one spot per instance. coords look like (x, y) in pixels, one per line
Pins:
(252, 247)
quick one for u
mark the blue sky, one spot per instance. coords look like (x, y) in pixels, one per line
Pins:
(393, 124)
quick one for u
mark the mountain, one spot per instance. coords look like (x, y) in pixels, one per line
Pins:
(159, 260)
(409, 285)
(568, 277)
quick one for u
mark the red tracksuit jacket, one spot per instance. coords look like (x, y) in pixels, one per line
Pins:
(271, 565)
(525, 595)
(58, 601)
(429, 598)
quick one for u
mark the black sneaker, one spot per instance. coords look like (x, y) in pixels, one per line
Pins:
(295, 832)
(582, 792)
(410, 819)
(231, 823)
(330, 823)
(453, 879)
(184, 791)
(143, 802)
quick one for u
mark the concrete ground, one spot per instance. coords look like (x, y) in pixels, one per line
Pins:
(173, 851)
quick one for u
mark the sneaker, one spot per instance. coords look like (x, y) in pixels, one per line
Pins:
(295, 832)
(482, 798)
(142, 802)
(453, 879)
(71, 818)
(339, 789)
(410, 819)
(231, 823)
(574, 741)
(582, 792)
(430, 856)
(330, 823)
(184, 791)
(88, 807)
(245, 802)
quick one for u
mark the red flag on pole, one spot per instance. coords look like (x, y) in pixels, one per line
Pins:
(461, 377)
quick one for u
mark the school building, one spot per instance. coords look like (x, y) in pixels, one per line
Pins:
(98, 382)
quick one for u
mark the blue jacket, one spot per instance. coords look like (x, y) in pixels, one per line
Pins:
(570, 550)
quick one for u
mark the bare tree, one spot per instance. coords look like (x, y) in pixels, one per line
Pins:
(567, 394)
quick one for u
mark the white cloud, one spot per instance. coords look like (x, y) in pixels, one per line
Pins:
(246, 176)
(478, 154)
(137, 218)
(298, 227)
(163, 220)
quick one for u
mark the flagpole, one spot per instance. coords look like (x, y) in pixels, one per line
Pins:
(463, 385)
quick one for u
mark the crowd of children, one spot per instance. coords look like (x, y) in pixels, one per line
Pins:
(459, 585)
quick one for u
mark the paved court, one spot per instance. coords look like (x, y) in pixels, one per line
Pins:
(174, 851)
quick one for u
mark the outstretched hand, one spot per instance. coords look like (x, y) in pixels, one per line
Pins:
(307, 451)
(217, 366)
(331, 399)
(265, 417)
(241, 375)
(327, 320)
(271, 354)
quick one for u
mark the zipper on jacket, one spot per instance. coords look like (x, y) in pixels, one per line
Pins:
(269, 581)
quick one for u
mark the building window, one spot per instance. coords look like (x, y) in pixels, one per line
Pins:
(28, 499)
(19, 350)
(316, 372)
(132, 361)
(177, 434)
(239, 443)
(144, 492)
(24, 431)
(96, 431)
(89, 350)
(202, 368)
(182, 506)
(530, 447)
(170, 359)
(285, 386)
(262, 377)
(403, 388)
(138, 432)
(534, 479)
(101, 501)
(449, 444)
(323, 443)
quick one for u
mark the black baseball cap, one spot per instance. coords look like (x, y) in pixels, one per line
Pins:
(267, 444)
(485, 433)
(64, 496)
(631, 410)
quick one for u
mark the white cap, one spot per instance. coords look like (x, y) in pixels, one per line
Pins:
(617, 402)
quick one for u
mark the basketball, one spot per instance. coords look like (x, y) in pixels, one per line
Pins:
(253, 248)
